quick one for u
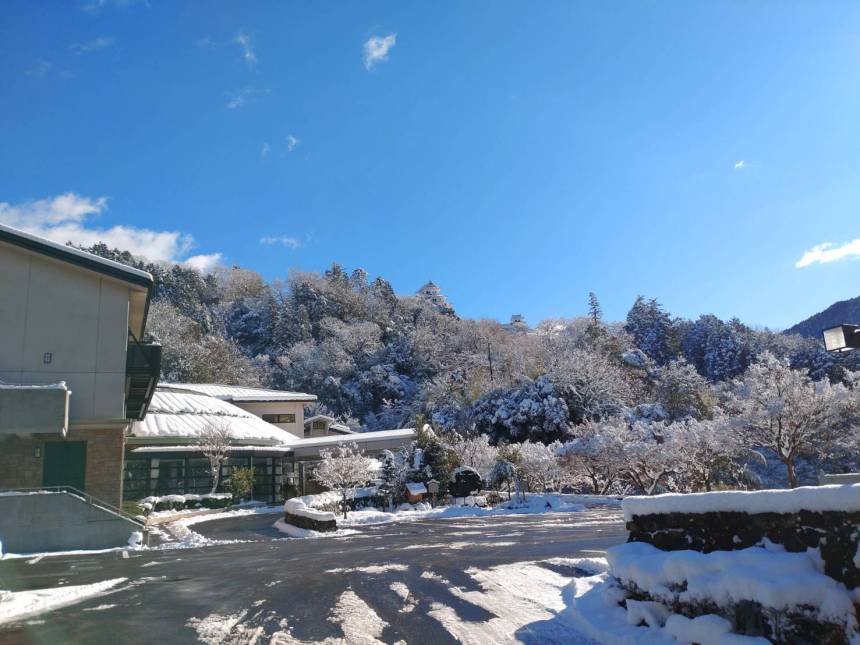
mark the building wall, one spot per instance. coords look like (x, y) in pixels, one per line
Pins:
(278, 407)
(21, 467)
(78, 317)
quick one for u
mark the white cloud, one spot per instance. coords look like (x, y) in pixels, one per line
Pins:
(292, 142)
(204, 263)
(828, 252)
(283, 240)
(740, 165)
(245, 96)
(265, 149)
(65, 218)
(248, 55)
(376, 49)
(95, 44)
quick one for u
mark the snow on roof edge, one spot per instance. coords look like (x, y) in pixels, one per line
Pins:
(17, 232)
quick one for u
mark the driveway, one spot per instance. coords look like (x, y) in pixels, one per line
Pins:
(430, 581)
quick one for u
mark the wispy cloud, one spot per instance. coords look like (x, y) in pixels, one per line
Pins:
(95, 6)
(292, 142)
(740, 164)
(265, 149)
(40, 67)
(245, 96)
(282, 240)
(95, 44)
(248, 54)
(376, 49)
(67, 218)
(828, 252)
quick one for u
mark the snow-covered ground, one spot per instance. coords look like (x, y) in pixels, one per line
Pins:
(19, 605)
(525, 601)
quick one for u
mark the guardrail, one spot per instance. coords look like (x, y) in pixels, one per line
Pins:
(86, 497)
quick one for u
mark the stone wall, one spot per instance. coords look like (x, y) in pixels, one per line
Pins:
(835, 533)
(303, 522)
(20, 467)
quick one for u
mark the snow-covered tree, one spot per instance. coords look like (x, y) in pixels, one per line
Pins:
(786, 412)
(343, 469)
(504, 474)
(475, 452)
(709, 452)
(214, 443)
(596, 455)
(392, 477)
(682, 391)
(652, 330)
(540, 466)
(650, 456)
(592, 384)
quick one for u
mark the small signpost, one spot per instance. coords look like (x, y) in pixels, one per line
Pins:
(433, 489)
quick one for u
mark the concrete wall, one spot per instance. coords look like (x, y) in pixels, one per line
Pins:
(58, 522)
(278, 407)
(20, 467)
(79, 317)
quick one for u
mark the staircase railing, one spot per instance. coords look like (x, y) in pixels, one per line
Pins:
(86, 497)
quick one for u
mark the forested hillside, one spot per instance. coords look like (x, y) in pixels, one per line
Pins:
(844, 311)
(379, 360)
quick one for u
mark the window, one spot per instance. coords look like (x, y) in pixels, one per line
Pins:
(279, 418)
(318, 425)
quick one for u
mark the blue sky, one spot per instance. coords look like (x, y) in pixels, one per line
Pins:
(518, 154)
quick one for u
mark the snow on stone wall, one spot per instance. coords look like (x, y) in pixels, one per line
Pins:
(844, 497)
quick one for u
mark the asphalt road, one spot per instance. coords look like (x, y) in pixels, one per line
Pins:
(275, 582)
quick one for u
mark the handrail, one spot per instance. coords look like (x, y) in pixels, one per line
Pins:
(86, 497)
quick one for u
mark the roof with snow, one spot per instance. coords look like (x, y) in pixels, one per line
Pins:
(333, 423)
(357, 437)
(238, 393)
(416, 488)
(186, 415)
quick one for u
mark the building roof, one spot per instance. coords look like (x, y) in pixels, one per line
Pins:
(75, 256)
(238, 393)
(333, 424)
(416, 488)
(186, 415)
(357, 437)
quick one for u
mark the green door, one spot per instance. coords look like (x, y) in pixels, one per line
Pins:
(65, 464)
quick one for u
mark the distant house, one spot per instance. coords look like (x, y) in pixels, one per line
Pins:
(325, 426)
(164, 456)
(415, 492)
(74, 372)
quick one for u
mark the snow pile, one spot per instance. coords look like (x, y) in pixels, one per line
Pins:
(845, 497)
(299, 506)
(594, 609)
(770, 576)
(23, 604)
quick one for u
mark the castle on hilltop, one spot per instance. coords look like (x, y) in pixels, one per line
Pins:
(432, 295)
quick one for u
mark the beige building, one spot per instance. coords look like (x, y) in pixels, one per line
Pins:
(164, 456)
(70, 320)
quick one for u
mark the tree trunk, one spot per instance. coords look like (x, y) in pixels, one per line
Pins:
(789, 470)
(344, 503)
(216, 479)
